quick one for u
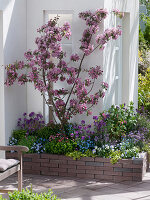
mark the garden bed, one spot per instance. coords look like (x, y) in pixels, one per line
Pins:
(87, 167)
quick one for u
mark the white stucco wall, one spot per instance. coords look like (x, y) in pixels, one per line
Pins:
(13, 47)
(130, 25)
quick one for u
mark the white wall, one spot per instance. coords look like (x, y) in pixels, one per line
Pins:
(129, 52)
(14, 46)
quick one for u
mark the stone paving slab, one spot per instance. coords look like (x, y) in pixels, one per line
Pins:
(81, 189)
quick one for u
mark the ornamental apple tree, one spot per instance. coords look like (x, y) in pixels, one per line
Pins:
(46, 65)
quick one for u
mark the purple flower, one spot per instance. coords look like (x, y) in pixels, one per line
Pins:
(89, 126)
(71, 134)
(80, 127)
(82, 122)
(83, 137)
(31, 114)
(95, 117)
(24, 114)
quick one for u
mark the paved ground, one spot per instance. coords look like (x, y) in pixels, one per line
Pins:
(79, 189)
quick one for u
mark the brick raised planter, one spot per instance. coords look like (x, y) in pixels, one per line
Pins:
(92, 168)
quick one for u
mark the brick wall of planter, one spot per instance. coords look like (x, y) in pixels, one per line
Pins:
(91, 168)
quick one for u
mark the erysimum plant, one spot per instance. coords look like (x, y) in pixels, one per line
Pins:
(47, 65)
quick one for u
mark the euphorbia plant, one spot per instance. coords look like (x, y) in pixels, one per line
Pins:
(47, 65)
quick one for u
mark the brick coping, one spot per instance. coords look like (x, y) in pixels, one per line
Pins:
(86, 167)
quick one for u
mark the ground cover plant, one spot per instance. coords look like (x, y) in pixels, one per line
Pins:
(119, 132)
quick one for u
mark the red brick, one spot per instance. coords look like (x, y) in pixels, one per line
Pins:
(34, 164)
(131, 166)
(11, 155)
(94, 172)
(132, 174)
(136, 178)
(30, 155)
(63, 174)
(85, 176)
(103, 177)
(122, 178)
(79, 171)
(86, 159)
(61, 157)
(28, 171)
(40, 168)
(27, 167)
(97, 159)
(104, 168)
(49, 173)
(27, 163)
(67, 166)
(86, 167)
(59, 161)
(51, 165)
(40, 160)
(58, 170)
(112, 173)
(74, 162)
(112, 165)
(50, 156)
(137, 170)
(72, 174)
(125, 161)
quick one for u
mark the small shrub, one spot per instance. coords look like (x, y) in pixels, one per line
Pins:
(78, 154)
(114, 124)
(28, 141)
(47, 131)
(60, 145)
(28, 195)
(18, 134)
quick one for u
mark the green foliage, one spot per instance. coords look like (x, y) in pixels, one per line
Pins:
(142, 41)
(18, 134)
(147, 4)
(146, 148)
(78, 154)
(29, 195)
(46, 131)
(63, 147)
(144, 45)
(53, 129)
(103, 151)
(117, 122)
(28, 141)
(147, 31)
(115, 156)
(143, 121)
(144, 90)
